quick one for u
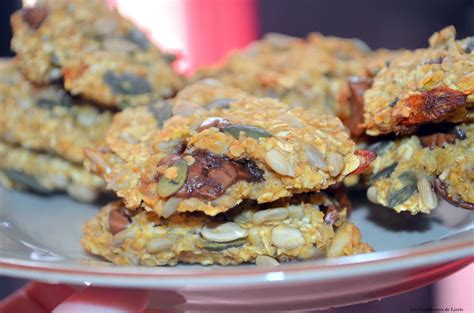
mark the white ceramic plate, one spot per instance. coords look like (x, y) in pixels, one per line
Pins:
(39, 239)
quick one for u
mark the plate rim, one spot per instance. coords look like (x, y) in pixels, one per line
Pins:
(431, 253)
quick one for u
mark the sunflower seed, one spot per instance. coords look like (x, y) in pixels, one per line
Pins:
(278, 163)
(159, 244)
(335, 163)
(254, 237)
(315, 157)
(345, 237)
(372, 194)
(287, 237)
(168, 186)
(268, 215)
(427, 195)
(295, 211)
(120, 237)
(126, 83)
(265, 260)
(223, 232)
(170, 207)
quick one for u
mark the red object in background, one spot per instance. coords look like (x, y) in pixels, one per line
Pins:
(215, 27)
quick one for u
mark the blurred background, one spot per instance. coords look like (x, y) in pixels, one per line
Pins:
(202, 32)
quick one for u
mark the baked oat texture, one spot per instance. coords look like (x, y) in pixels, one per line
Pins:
(429, 85)
(99, 54)
(308, 73)
(47, 118)
(280, 232)
(410, 174)
(24, 169)
(256, 149)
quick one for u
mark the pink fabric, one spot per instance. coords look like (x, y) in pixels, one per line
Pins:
(456, 291)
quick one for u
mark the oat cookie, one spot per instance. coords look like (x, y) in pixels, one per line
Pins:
(410, 174)
(280, 231)
(24, 169)
(98, 54)
(196, 98)
(306, 73)
(47, 118)
(256, 149)
(429, 85)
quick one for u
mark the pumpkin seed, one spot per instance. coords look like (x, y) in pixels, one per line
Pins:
(399, 196)
(380, 147)
(139, 38)
(265, 260)
(161, 111)
(248, 130)
(166, 187)
(223, 232)
(219, 246)
(169, 57)
(220, 103)
(384, 173)
(26, 180)
(126, 83)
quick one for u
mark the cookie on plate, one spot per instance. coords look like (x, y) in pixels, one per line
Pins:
(42, 173)
(256, 149)
(47, 118)
(431, 85)
(287, 230)
(410, 174)
(94, 51)
(306, 73)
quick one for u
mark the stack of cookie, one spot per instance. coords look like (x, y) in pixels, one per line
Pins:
(237, 179)
(419, 108)
(78, 62)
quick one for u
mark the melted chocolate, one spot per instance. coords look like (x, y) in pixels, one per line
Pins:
(210, 174)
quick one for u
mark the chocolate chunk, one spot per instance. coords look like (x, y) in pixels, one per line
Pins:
(119, 219)
(357, 87)
(438, 140)
(210, 174)
(455, 200)
(34, 16)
